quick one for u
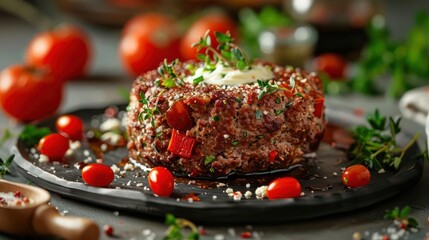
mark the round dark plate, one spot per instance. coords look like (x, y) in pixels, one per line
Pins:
(320, 178)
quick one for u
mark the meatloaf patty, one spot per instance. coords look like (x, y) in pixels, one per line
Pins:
(232, 129)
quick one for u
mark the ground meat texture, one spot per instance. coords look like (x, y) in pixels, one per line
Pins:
(231, 125)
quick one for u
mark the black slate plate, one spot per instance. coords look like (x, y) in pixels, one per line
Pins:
(320, 178)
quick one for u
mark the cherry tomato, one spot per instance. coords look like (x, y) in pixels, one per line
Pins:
(356, 176)
(54, 146)
(108, 230)
(179, 116)
(28, 93)
(161, 181)
(64, 50)
(285, 187)
(97, 175)
(215, 22)
(146, 41)
(70, 125)
(332, 64)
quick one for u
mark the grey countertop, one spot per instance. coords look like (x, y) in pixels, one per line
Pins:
(100, 89)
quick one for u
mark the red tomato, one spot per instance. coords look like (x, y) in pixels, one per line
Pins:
(108, 230)
(215, 22)
(70, 125)
(356, 176)
(332, 64)
(54, 146)
(64, 50)
(97, 175)
(146, 41)
(285, 187)
(161, 181)
(28, 93)
(179, 116)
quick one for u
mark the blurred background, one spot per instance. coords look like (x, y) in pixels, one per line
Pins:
(371, 47)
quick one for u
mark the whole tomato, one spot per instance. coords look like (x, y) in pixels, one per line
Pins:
(64, 50)
(71, 125)
(28, 93)
(97, 175)
(161, 181)
(215, 22)
(285, 187)
(146, 41)
(356, 176)
(332, 64)
(54, 146)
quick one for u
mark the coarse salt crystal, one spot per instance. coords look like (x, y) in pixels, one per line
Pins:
(247, 185)
(43, 158)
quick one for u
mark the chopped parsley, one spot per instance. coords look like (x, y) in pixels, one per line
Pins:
(235, 143)
(197, 80)
(216, 118)
(209, 159)
(278, 111)
(175, 226)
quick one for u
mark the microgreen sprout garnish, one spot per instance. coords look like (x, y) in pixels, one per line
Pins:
(148, 113)
(376, 145)
(174, 231)
(31, 135)
(401, 215)
(170, 77)
(227, 52)
(5, 164)
(268, 88)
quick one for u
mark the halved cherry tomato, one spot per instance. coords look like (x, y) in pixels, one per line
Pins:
(146, 41)
(285, 187)
(70, 125)
(179, 116)
(64, 50)
(356, 176)
(332, 64)
(161, 181)
(54, 146)
(215, 22)
(28, 93)
(97, 175)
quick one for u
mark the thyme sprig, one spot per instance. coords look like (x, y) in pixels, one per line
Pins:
(5, 164)
(148, 112)
(227, 52)
(401, 215)
(267, 88)
(376, 146)
(174, 231)
(170, 77)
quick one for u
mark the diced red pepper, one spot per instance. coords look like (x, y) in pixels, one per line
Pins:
(272, 155)
(318, 107)
(179, 116)
(288, 92)
(246, 235)
(181, 145)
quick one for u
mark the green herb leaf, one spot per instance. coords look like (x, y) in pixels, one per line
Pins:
(5, 164)
(235, 143)
(376, 145)
(6, 136)
(31, 135)
(209, 159)
(216, 118)
(197, 80)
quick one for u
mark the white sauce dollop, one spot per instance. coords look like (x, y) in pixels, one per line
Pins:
(229, 76)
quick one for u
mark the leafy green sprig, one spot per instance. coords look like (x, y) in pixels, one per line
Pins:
(227, 52)
(402, 216)
(170, 77)
(267, 88)
(174, 231)
(31, 135)
(376, 145)
(148, 112)
(5, 164)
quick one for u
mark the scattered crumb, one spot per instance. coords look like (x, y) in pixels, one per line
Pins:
(43, 158)
(129, 167)
(220, 185)
(248, 194)
(261, 192)
(116, 213)
(237, 195)
(103, 147)
(139, 185)
(247, 185)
